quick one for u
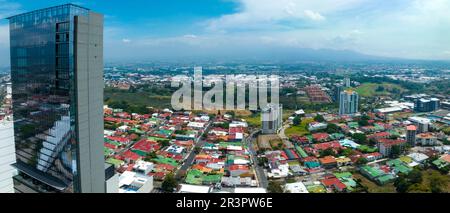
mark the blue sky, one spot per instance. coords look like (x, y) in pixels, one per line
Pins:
(179, 29)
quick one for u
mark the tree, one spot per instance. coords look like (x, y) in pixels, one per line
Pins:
(380, 89)
(169, 183)
(446, 141)
(262, 161)
(415, 176)
(364, 120)
(232, 113)
(332, 128)
(319, 118)
(361, 161)
(197, 149)
(411, 181)
(297, 120)
(395, 151)
(150, 156)
(327, 152)
(164, 143)
(274, 187)
(346, 152)
(402, 184)
(372, 142)
(119, 104)
(360, 138)
(437, 183)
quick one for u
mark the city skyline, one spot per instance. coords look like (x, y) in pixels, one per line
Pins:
(226, 30)
(225, 96)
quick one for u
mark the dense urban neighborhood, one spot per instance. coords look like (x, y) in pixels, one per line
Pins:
(332, 135)
(381, 142)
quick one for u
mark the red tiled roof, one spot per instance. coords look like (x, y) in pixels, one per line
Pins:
(446, 158)
(327, 160)
(165, 167)
(108, 145)
(157, 175)
(238, 167)
(391, 142)
(379, 135)
(300, 139)
(118, 139)
(146, 145)
(332, 144)
(334, 182)
(411, 128)
(130, 155)
(184, 143)
(310, 159)
(320, 136)
(233, 130)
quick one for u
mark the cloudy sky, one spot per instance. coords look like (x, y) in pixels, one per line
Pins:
(177, 29)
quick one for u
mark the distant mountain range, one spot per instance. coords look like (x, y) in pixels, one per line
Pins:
(260, 54)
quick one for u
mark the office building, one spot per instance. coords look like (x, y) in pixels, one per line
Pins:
(348, 102)
(347, 82)
(445, 105)
(57, 92)
(426, 105)
(422, 124)
(7, 150)
(337, 92)
(272, 118)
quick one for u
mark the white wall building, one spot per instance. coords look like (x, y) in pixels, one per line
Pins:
(297, 187)
(422, 124)
(7, 155)
(348, 102)
(272, 118)
(132, 182)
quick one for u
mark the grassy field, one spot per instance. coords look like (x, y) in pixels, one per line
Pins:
(372, 187)
(301, 129)
(253, 120)
(276, 144)
(370, 89)
(138, 98)
(425, 185)
(266, 141)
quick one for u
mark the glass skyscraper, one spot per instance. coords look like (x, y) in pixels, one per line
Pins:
(57, 92)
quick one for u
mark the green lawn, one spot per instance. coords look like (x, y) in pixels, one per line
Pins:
(301, 129)
(372, 187)
(370, 89)
(424, 187)
(252, 120)
(138, 98)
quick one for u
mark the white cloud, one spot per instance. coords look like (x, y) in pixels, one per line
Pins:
(268, 14)
(190, 36)
(396, 28)
(408, 29)
(315, 16)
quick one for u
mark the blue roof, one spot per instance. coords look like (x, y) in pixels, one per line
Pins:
(349, 143)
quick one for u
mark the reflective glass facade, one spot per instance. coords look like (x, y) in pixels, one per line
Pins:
(42, 72)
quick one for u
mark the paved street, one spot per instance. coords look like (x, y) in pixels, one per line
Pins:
(190, 159)
(283, 137)
(260, 174)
